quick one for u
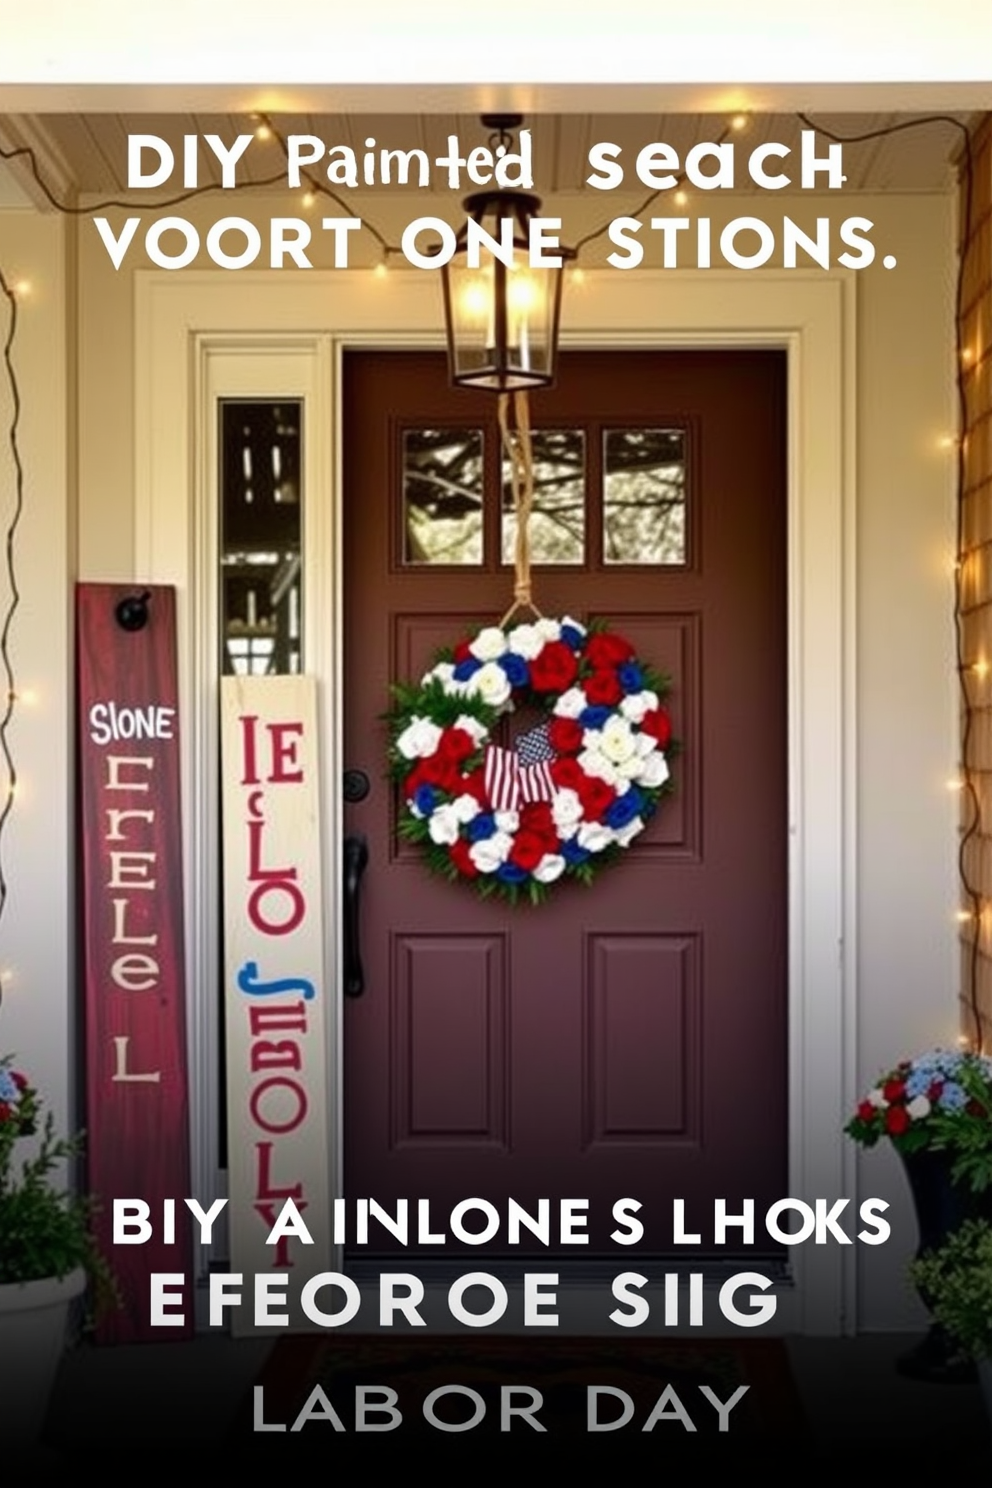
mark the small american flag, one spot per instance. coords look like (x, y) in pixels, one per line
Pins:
(521, 774)
(535, 753)
(502, 778)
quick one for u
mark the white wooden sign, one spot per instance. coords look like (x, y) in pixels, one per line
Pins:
(275, 1001)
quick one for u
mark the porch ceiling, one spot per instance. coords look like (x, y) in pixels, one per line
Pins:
(88, 152)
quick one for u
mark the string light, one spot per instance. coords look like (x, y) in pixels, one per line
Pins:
(740, 122)
(381, 269)
(309, 197)
(681, 197)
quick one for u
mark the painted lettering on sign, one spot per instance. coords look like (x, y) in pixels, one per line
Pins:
(274, 965)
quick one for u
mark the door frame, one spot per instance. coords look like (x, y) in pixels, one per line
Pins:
(203, 334)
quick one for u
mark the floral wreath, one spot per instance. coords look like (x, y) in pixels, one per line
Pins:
(572, 793)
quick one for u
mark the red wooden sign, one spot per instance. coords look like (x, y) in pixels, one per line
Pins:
(131, 855)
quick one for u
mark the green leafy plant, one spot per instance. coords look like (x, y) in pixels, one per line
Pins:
(44, 1229)
(957, 1282)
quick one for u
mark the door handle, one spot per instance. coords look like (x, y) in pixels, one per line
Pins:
(356, 857)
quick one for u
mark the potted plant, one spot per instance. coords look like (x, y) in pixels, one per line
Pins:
(46, 1254)
(957, 1278)
(936, 1110)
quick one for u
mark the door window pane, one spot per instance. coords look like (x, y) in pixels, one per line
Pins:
(442, 496)
(260, 533)
(558, 516)
(644, 496)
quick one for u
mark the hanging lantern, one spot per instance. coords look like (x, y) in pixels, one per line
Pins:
(501, 313)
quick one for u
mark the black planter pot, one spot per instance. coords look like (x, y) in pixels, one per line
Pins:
(942, 1206)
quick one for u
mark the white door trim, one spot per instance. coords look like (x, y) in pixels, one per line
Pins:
(203, 334)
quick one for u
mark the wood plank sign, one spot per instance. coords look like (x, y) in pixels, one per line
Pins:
(137, 1110)
(278, 1126)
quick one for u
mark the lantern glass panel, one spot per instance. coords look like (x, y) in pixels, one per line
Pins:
(502, 322)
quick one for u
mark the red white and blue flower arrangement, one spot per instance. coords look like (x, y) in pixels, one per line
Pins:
(574, 791)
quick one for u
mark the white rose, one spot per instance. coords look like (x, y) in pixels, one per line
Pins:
(490, 852)
(654, 771)
(551, 866)
(419, 739)
(617, 742)
(594, 836)
(490, 683)
(444, 825)
(636, 704)
(644, 744)
(488, 644)
(477, 731)
(594, 763)
(526, 641)
(918, 1107)
(466, 808)
(506, 821)
(571, 703)
(548, 630)
(625, 835)
(443, 672)
(629, 770)
(877, 1097)
(566, 808)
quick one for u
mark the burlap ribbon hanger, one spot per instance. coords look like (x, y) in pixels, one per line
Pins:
(519, 450)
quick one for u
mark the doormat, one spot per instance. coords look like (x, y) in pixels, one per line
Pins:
(620, 1399)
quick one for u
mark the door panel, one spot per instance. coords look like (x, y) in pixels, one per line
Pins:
(623, 1040)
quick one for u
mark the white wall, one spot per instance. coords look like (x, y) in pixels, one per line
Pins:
(37, 1017)
(905, 745)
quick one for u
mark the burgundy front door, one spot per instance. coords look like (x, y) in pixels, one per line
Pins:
(628, 1039)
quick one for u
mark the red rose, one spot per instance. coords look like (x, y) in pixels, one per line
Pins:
(527, 851)
(536, 819)
(596, 796)
(444, 773)
(5, 1111)
(975, 1108)
(934, 1089)
(456, 744)
(566, 774)
(657, 725)
(602, 689)
(896, 1120)
(606, 649)
(459, 855)
(866, 1110)
(565, 735)
(555, 669)
(894, 1090)
(462, 652)
(474, 784)
(21, 1081)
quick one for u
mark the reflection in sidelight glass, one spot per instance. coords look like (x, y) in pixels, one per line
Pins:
(442, 496)
(558, 515)
(260, 537)
(644, 496)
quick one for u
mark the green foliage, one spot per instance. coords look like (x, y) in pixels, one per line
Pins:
(44, 1230)
(957, 1283)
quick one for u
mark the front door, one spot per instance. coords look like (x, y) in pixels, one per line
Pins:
(627, 1039)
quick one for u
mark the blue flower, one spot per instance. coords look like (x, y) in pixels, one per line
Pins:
(512, 873)
(572, 637)
(466, 668)
(630, 676)
(595, 716)
(623, 810)
(919, 1083)
(516, 669)
(573, 853)
(481, 826)
(424, 799)
(952, 1097)
(8, 1088)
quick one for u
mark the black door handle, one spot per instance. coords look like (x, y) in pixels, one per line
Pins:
(356, 857)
